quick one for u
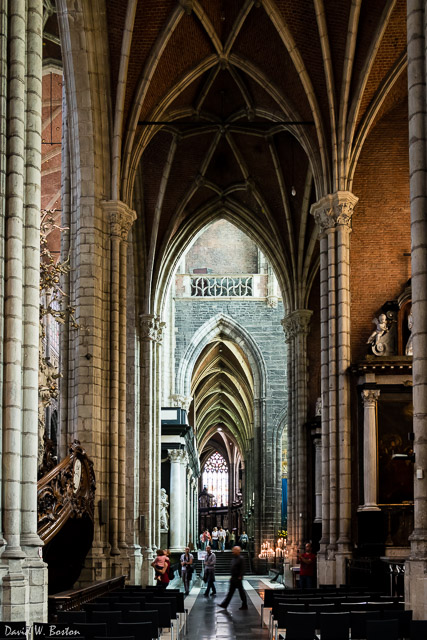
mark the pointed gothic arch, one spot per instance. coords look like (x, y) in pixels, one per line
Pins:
(222, 324)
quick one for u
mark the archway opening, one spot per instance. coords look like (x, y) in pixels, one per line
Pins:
(229, 357)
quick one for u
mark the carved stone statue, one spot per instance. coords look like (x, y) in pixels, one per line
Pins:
(383, 339)
(318, 411)
(164, 515)
(408, 350)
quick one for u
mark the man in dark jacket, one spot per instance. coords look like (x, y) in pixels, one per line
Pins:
(210, 561)
(237, 572)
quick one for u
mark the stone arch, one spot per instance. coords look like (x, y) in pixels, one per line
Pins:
(237, 215)
(222, 324)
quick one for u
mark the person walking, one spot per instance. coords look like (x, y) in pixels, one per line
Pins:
(215, 539)
(221, 539)
(232, 539)
(227, 539)
(161, 566)
(186, 569)
(236, 580)
(244, 540)
(209, 577)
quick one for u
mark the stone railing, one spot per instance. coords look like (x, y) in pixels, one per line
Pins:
(211, 286)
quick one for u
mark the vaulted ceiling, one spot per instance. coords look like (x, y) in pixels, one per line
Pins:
(222, 391)
(229, 79)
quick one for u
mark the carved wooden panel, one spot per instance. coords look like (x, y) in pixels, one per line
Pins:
(66, 491)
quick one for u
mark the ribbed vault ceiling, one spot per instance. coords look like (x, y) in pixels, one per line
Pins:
(237, 69)
(222, 390)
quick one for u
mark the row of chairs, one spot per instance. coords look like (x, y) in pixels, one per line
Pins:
(142, 613)
(336, 626)
(304, 627)
(326, 603)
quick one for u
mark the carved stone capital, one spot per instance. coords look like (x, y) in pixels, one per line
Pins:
(344, 203)
(147, 327)
(121, 217)
(296, 323)
(160, 326)
(370, 397)
(181, 401)
(178, 456)
(151, 328)
(335, 209)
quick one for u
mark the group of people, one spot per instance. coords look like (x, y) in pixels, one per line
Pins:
(164, 573)
(221, 539)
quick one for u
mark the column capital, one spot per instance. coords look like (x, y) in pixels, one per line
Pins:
(178, 456)
(296, 323)
(334, 209)
(151, 328)
(370, 397)
(181, 401)
(121, 217)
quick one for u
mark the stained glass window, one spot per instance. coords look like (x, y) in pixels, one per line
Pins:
(215, 478)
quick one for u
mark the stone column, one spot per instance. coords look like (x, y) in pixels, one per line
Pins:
(178, 460)
(370, 450)
(318, 479)
(195, 511)
(188, 509)
(23, 579)
(416, 567)
(12, 392)
(30, 541)
(156, 395)
(147, 468)
(121, 220)
(333, 215)
(296, 328)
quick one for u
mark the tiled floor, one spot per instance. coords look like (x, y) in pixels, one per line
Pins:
(207, 621)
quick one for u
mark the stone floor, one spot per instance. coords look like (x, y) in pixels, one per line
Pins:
(207, 621)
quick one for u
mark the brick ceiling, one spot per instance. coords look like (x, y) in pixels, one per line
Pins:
(236, 70)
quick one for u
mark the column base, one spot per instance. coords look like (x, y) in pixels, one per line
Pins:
(14, 595)
(37, 573)
(147, 572)
(326, 570)
(416, 588)
(341, 558)
(135, 564)
(368, 507)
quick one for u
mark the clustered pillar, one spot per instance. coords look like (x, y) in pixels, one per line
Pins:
(416, 567)
(296, 327)
(333, 215)
(23, 574)
(121, 220)
(150, 335)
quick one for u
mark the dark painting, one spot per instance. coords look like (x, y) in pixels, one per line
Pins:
(395, 477)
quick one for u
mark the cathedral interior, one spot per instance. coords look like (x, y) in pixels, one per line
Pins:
(213, 277)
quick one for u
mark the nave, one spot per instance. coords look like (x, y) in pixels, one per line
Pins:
(207, 621)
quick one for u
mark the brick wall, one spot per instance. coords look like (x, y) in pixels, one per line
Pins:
(381, 225)
(224, 249)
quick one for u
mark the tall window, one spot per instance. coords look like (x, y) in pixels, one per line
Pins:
(215, 478)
